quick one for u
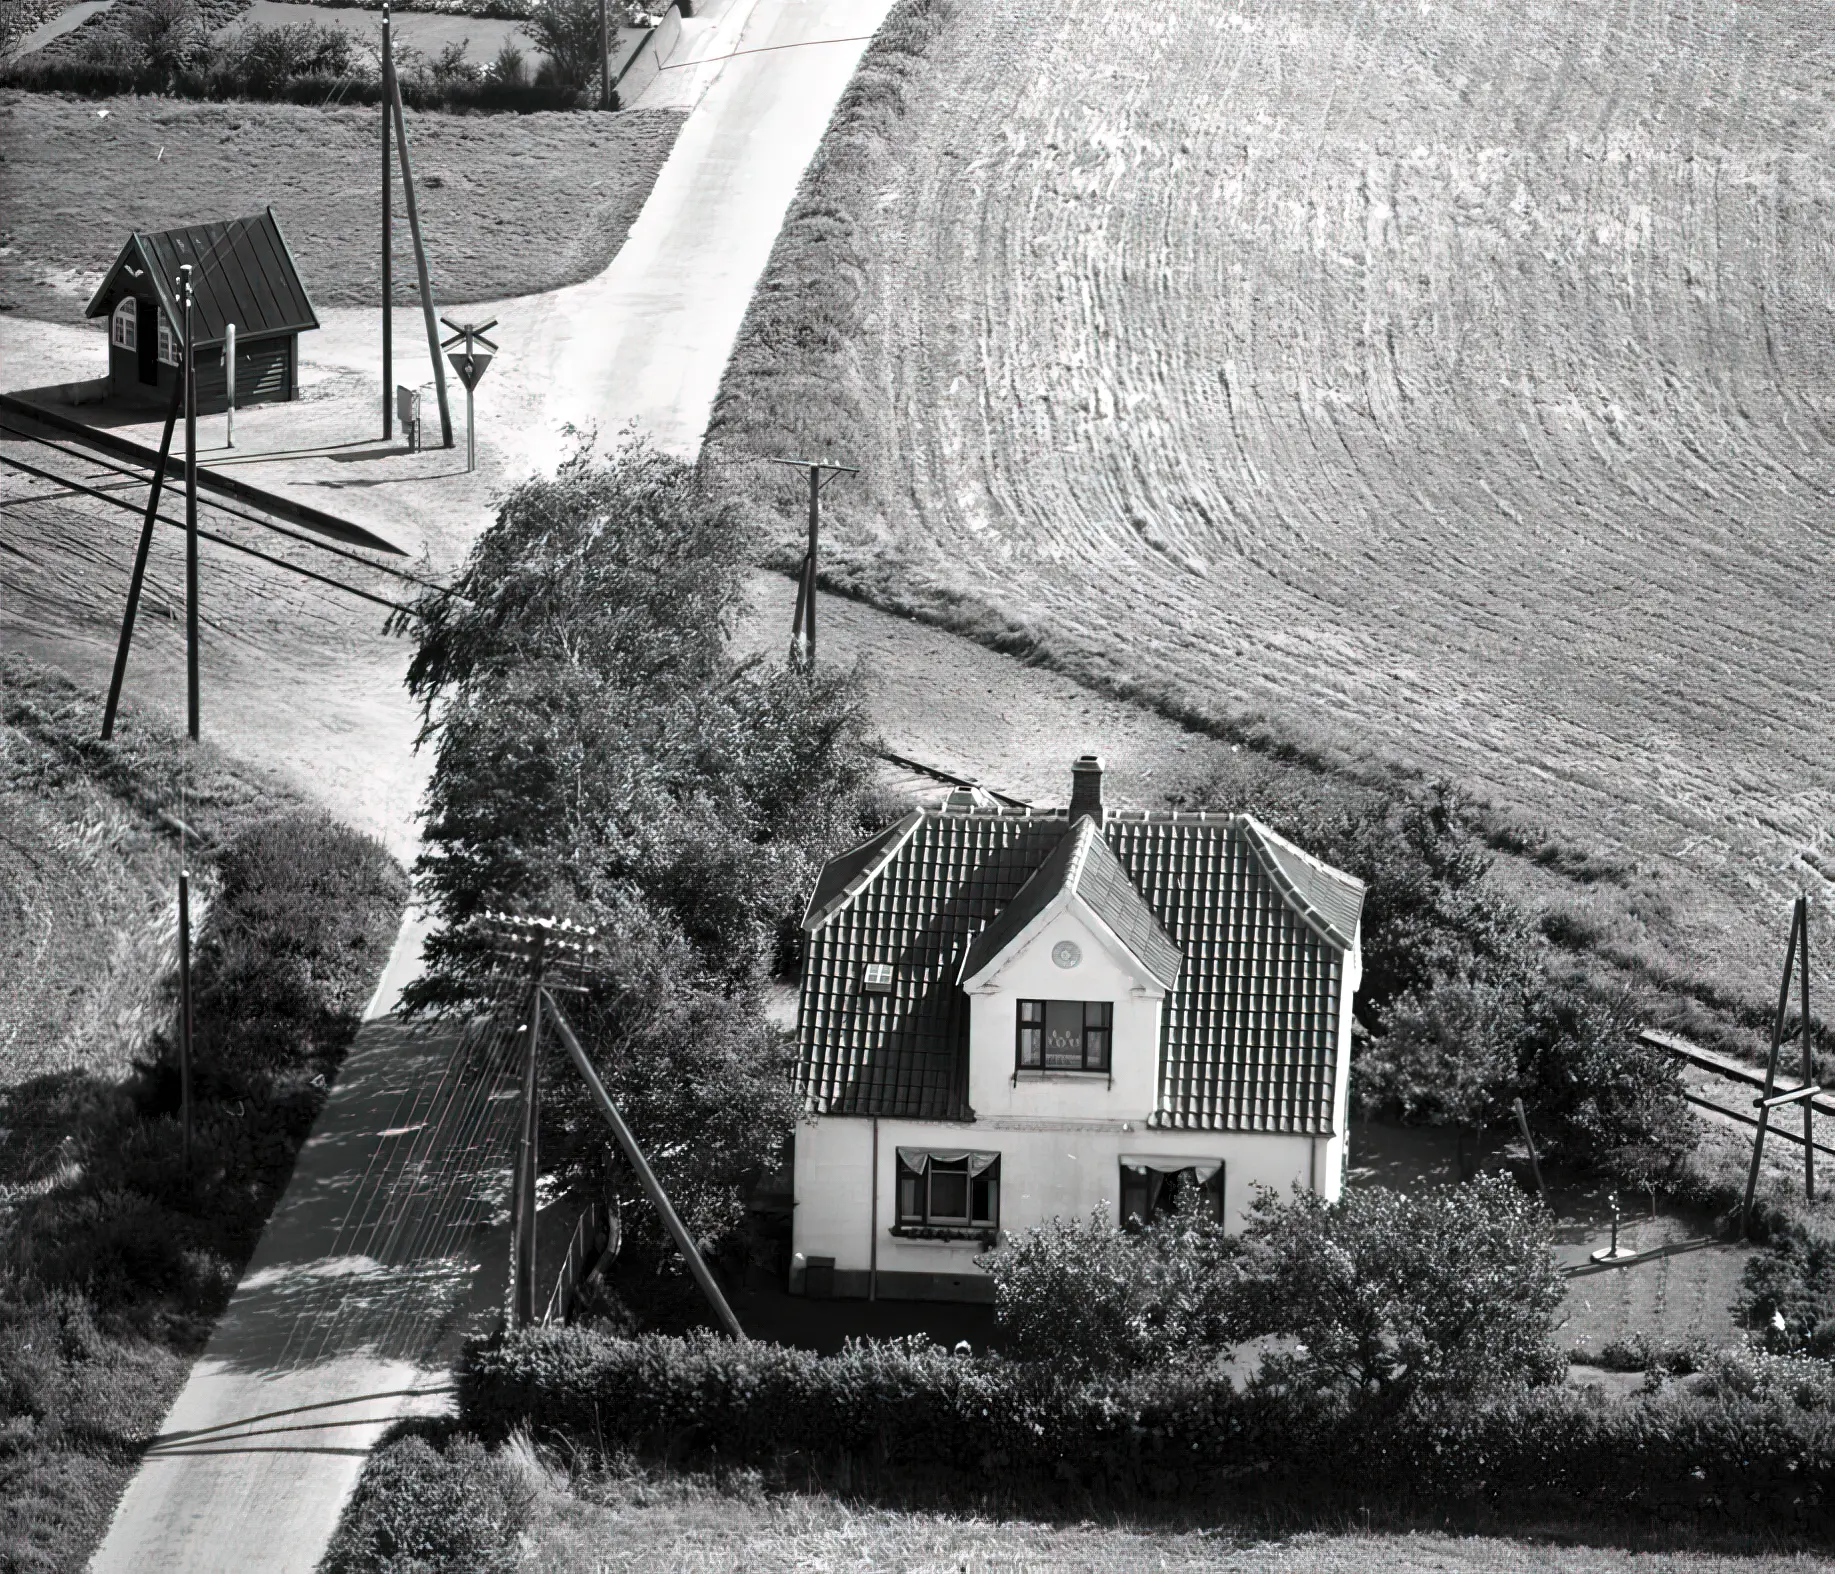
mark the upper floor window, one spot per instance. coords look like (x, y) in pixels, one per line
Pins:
(1065, 1035)
(950, 1189)
(124, 326)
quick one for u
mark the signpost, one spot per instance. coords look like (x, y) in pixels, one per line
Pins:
(470, 363)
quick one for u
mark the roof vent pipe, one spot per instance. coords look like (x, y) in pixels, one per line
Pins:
(1086, 787)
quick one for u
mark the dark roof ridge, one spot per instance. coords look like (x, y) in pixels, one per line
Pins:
(888, 841)
(1327, 900)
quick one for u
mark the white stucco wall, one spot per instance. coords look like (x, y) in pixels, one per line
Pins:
(1131, 1090)
(1048, 1169)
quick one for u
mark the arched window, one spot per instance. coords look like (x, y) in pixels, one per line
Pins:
(124, 326)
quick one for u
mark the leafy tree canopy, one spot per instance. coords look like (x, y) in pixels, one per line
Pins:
(601, 755)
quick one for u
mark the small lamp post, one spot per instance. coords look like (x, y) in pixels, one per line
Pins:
(1614, 1252)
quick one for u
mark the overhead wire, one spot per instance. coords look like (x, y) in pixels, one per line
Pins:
(135, 477)
(210, 535)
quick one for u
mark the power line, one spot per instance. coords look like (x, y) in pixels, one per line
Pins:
(207, 535)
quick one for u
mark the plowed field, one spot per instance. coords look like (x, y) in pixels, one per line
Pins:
(1451, 384)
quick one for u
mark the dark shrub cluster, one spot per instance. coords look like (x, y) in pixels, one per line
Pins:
(167, 46)
(300, 928)
(1463, 1011)
(1170, 1432)
(431, 1503)
(1386, 1297)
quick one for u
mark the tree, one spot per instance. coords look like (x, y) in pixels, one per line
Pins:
(1394, 1297)
(600, 755)
(567, 32)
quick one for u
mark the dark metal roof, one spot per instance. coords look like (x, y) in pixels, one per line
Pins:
(242, 273)
(1082, 863)
(1248, 1034)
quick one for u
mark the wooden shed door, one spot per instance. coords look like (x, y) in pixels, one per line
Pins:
(147, 342)
(261, 372)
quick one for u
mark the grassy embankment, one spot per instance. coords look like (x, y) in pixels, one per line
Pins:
(1407, 400)
(114, 1259)
(510, 204)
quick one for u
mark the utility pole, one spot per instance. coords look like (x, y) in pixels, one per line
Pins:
(188, 373)
(140, 564)
(388, 250)
(393, 87)
(803, 620)
(522, 1241)
(1796, 963)
(554, 946)
(605, 59)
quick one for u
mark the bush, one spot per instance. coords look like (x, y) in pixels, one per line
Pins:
(567, 31)
(907, 1407)
(1388, 1297)
(419, 1507)
(302, 924)
(1459, 1050)
(1788, 1292)
(1090, 1298)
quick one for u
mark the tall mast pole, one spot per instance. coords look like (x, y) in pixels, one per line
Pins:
(188, 365)
(388, 249)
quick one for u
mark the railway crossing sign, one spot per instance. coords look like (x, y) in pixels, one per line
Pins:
(470, 363)
(469, 367)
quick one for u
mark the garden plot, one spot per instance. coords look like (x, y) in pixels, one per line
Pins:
(509, 204)
(1443, 384)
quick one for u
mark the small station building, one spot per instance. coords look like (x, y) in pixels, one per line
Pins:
(243, 274)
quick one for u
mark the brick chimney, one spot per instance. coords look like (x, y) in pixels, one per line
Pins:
(1086, 787)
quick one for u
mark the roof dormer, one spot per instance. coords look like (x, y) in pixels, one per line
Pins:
(1083, 879)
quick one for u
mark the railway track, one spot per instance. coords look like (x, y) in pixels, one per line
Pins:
(910, 771)
(51, 463)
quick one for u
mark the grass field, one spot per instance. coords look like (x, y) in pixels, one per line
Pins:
(1436, 384)
(510, 204)
(697, 1525)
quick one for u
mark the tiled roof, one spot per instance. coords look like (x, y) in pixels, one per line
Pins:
(1082, 862)
(1249, 1032)
(242, 272)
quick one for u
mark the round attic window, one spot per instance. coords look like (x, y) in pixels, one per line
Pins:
(1067, 953)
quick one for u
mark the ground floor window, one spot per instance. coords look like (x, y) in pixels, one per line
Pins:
(124, 326)
(168, 342)
(1150, 1187)
(948, 1189)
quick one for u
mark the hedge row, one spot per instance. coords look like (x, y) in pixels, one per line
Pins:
(907, 1405)
(98, 79)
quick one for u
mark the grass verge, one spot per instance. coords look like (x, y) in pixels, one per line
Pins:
(604, 1515)
(115, 1257)
(510, 204)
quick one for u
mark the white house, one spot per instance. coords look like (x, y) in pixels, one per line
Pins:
(1010, 1015)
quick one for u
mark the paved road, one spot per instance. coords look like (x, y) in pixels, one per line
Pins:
(390, 1242)
(386, 1250)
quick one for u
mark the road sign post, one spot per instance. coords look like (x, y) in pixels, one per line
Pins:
(470, 363)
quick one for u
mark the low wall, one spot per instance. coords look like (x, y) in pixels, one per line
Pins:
(651, 55)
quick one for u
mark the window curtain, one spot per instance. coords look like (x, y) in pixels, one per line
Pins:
(918, 1159)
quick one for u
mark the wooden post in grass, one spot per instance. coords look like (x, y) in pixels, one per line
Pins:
(138, 578)
(388, 250)
(527, 1156)
(420, 259)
